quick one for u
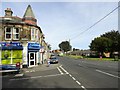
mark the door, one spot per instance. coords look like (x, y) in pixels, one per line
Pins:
(31, 59)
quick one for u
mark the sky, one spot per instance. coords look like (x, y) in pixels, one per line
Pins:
(65, 21)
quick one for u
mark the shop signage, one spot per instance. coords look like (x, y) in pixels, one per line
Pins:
(11, 46)
(34, 46)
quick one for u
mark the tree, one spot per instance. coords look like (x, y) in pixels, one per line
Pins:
(65, 46)
(101, 44)
(108, 42)
(115, 37)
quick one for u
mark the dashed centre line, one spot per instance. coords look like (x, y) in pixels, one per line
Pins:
(62, 72)
(78, 82)
(72, 77)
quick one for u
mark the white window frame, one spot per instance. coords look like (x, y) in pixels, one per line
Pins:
(15, 33)
(8, 33)
(32, 33)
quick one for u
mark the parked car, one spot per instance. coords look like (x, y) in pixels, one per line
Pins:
(53, 60)
(5, 69)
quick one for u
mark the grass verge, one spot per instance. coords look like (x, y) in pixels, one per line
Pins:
(88, 58)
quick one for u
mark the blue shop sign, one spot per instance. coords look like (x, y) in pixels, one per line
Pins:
(11, 46)
(33, 46)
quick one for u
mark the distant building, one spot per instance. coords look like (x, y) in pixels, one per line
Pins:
(21, 39)
(82, 52)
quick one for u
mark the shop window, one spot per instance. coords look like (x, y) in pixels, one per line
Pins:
(8, 33)
(16, 33)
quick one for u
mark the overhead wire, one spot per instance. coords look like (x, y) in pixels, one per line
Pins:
(95, 23)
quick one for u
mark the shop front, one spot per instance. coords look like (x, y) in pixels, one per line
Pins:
(10, 52)
(33, 54)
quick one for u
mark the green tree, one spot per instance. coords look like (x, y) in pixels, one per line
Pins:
(115, 37)
(101, 44)
(65, 46)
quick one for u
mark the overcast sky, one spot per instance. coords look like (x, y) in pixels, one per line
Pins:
(61, 21)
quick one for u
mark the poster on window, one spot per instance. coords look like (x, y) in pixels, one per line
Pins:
(11, 56)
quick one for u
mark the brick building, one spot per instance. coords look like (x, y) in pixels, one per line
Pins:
(21, 39)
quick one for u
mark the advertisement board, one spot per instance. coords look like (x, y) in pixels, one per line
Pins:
(11, 52)
(11, 56)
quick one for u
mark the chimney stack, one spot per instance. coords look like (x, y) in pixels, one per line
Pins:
(8, 12)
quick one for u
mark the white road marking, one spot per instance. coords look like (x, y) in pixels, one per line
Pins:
(33, 70)
(64, 70)
(36, 77)
(70, 75)
(59, 70)
(73, 78)
(17, 75)
(78, 82)
(107, 73)
(83, 87)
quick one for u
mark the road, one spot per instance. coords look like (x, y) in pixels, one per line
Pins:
(93, 74)
(69, 73)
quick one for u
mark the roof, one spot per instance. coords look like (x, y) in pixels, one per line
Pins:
(29, 12)
(15, 20)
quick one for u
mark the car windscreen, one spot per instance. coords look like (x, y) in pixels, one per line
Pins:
(53, 58)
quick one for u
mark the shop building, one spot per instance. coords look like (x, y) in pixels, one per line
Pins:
(22, 31)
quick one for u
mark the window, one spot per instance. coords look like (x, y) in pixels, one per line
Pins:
(32, 34)
(11, 33)
(8, 33)
(16, 33)
(37, 34)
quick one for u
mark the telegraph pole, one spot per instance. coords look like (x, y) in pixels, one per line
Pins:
(69, 43)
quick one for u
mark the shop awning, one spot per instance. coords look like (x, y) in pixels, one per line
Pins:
(11, 46)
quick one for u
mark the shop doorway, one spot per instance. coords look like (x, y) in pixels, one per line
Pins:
(31, 59)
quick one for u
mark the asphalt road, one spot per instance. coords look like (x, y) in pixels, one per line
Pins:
(69, 73)
(91, 73)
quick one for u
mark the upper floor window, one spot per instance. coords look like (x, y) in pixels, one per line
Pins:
(8, 33)
(16, 33)
(32, 33)
(11, 33)
(37, 37)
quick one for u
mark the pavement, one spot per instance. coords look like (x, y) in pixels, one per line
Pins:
(42, 67)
